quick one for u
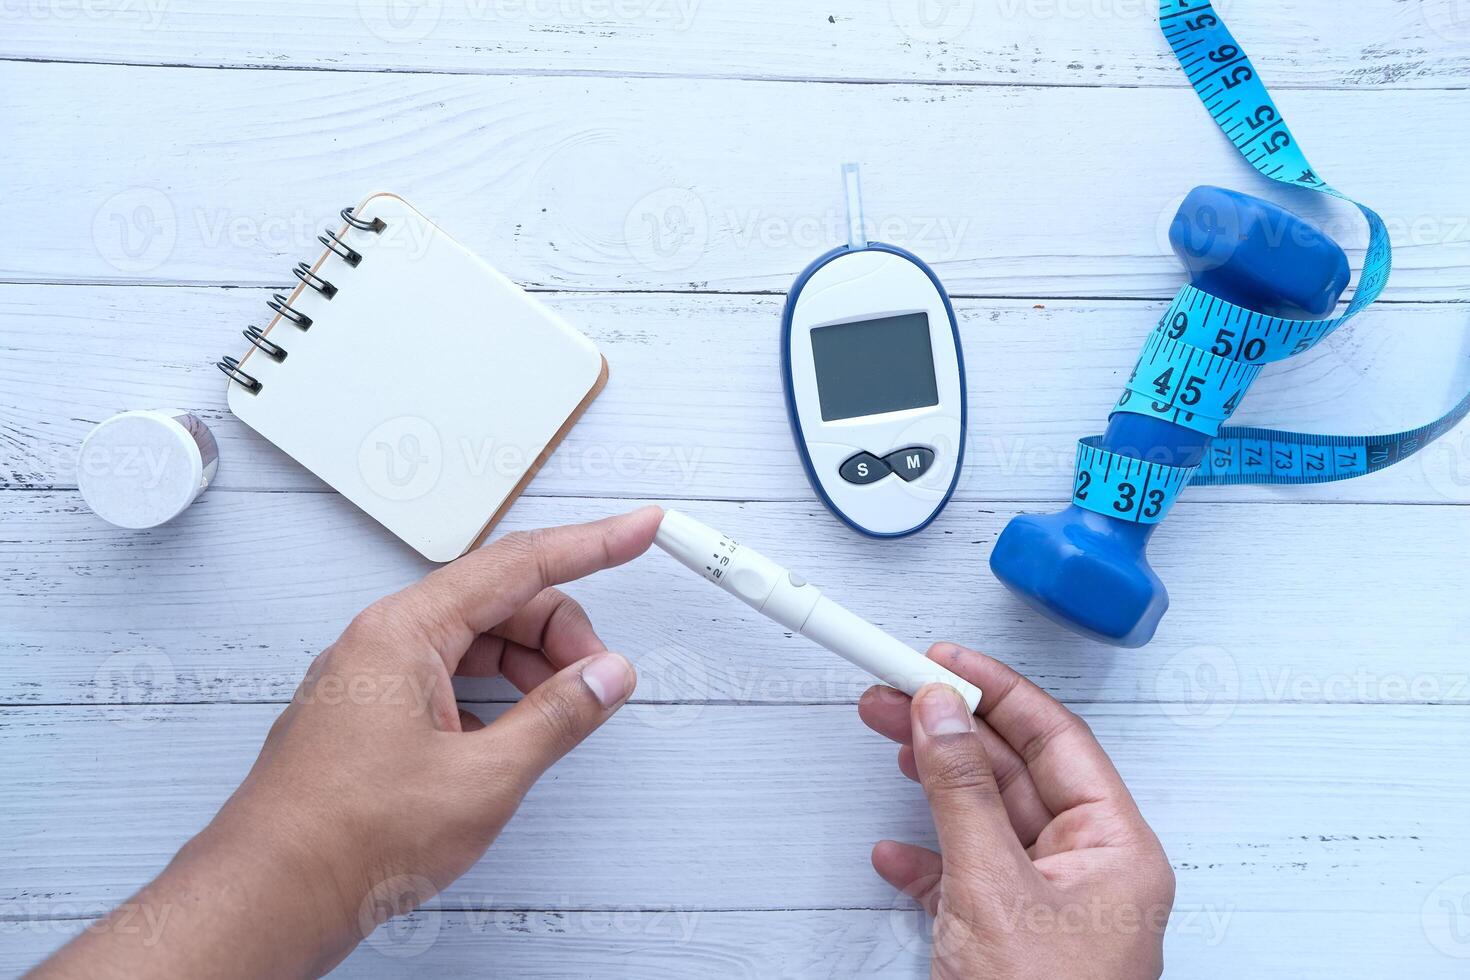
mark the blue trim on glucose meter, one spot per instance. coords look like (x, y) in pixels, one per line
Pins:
(786, 381)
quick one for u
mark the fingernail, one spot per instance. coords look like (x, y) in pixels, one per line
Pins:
(610, 679)
(943, 712)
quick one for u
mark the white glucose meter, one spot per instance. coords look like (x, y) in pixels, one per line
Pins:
(875, 382)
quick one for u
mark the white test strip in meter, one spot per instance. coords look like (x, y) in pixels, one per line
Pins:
(797, 605)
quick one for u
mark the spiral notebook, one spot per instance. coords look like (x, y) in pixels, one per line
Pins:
(412, 377)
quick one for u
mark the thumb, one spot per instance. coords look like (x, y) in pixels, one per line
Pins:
(558, 714)
(969, 813)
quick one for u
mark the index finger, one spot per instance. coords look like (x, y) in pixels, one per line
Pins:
(1067, 764)
(474, 593)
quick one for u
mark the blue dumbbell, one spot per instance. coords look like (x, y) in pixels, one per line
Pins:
(1090, 572)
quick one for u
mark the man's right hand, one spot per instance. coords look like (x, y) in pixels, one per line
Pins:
(1047, 868)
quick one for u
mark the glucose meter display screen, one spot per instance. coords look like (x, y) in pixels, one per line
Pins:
(874, 366)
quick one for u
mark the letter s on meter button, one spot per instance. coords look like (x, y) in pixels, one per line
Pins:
(864, 468)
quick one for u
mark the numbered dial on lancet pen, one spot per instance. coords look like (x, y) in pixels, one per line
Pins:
(720, 559)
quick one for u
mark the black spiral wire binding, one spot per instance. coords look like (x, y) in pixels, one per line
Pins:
(375, 226)
(344, 251)
(267, 347)
(282, 305)
(304, 273)
(231, 367)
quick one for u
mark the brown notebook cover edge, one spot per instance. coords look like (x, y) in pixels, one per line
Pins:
(545, 454)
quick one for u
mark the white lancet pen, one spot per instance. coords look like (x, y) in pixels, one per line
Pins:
(797, 605)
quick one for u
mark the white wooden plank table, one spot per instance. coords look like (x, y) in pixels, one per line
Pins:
(660, 170)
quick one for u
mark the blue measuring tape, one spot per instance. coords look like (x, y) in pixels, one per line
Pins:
(1205, 353)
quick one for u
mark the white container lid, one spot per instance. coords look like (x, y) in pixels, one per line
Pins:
(140, 469)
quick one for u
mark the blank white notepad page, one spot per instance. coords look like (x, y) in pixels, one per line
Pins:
(426, 389)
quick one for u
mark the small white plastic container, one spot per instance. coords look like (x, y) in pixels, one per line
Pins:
(143, 469)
